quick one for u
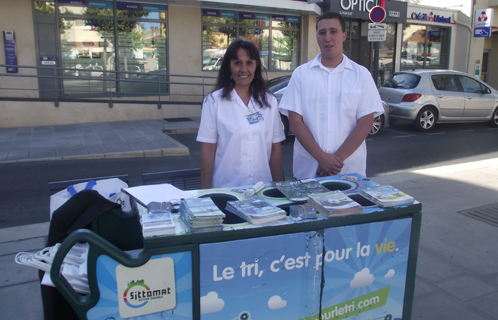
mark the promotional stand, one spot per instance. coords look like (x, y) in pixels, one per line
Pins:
(352, 267)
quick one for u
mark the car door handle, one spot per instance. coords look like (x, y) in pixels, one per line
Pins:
(440, 96)
(468, 97)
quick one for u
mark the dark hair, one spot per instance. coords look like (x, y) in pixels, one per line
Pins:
(332, 15)
(258, 88)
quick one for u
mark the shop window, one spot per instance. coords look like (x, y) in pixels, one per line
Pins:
(285, 43)
(424, 47)
(260, 37)
(44, 6)
(91, 55)
(100, 8)
(220, 28)
(87, 51)
(142, 57)
(386, 53)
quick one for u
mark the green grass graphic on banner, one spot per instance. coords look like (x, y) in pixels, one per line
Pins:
(355, 306)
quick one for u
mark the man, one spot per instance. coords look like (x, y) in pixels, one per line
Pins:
(331, 102)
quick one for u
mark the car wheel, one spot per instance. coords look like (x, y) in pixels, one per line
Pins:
(378, 125)
(426, 119)
(285, 124)
(494, 118)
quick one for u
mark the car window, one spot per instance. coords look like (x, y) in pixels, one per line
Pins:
(471, 85)
(402, 80)
(444, 82)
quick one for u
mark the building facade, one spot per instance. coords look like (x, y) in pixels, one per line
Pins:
(111, 60)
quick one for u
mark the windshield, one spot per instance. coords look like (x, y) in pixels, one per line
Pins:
(402, 80)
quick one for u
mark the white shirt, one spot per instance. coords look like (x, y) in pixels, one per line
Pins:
(330, 102)
(243, 150)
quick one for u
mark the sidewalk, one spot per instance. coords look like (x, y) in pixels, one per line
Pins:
(139, 138)
(457, 270)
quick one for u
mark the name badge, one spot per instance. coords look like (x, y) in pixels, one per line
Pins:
(254, 117)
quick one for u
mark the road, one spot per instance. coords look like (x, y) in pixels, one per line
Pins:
(24, 186)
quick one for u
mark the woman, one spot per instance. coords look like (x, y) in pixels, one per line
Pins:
(240, 130)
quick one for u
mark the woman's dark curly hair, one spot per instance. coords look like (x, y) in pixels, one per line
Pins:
(258, 88)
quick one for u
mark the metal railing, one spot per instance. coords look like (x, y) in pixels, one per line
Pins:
(50, 83)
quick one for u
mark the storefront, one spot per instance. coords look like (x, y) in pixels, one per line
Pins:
(426, 39)
(112, 60)
(380, 59)
(158, 58)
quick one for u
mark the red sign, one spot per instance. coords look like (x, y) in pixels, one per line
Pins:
(377, 14)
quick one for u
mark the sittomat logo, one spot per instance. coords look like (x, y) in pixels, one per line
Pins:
(138, 294)
(482, 17)
(135, 296)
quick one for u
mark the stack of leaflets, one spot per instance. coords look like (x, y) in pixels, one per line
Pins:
(299, 190)
(386, 195)
(256, 210)
(158, 220)
(334, 203)
(201, 215)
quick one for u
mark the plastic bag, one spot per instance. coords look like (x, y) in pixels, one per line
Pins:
(108, 188)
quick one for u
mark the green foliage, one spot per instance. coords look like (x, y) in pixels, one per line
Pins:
(44, 7)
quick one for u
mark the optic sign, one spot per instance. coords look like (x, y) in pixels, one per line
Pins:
(377, 14)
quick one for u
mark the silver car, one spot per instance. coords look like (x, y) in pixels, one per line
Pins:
(430, 96)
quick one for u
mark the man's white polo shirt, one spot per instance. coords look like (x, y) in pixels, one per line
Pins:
(330, 102)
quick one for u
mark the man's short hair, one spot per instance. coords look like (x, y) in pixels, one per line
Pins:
(332, 15)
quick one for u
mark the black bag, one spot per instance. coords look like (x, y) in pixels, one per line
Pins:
(88, 210)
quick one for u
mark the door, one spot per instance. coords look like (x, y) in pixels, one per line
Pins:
(484, 67)
(449, 98)
(46, 57)
(479, 101)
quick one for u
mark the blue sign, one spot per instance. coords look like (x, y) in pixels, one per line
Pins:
(355, 272)
(108, 304)
(100, 4)
(377, 14)
(9, 41)
(90, 4)
(218, 13)
(254, 16)
(482, 32)
(289, 19)
(74, 3)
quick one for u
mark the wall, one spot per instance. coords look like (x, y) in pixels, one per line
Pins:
(463, 5)
(493, 62)
(35, 113)
(310, 47)
(17, 16)
(185, 52)
(462, 40)
(185, 49)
